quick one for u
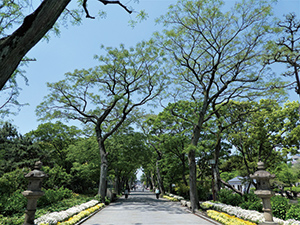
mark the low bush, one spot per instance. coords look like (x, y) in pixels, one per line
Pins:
(54, 195)
(280, 206)
(182, 190)
(228, 197)
(18, 219)
(252, 202)
(293, 212)
(203, 192)
(15, 203)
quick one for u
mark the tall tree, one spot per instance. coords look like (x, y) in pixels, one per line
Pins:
(126, 152)
(108, 94)
(286, 49)
(266, 133)
(17, 151)
(34, 27)
(216, 57)
(55, 139)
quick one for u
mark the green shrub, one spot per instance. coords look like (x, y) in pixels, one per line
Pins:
(18, 219)
(228, 197)
(54, 195)
(12, 181)
(57, 177)
(203, 192)
(280, 206)
(14, 203)
(12, 220)
(251, 202)
(182, 190)
(293, 212)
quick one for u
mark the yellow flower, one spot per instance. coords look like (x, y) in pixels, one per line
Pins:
(227, 219)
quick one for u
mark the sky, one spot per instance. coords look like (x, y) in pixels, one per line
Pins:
(76, 46)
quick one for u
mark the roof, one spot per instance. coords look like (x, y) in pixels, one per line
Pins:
(237, 180)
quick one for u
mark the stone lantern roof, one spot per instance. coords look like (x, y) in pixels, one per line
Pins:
(261, 173)
(36, 173)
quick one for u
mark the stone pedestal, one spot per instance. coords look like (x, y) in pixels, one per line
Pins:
(34, 192)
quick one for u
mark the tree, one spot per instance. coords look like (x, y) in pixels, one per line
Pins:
(263, 134)
(216, 56)
(84, 156)
(55, 139)
(126, 153)
(286, 49)
(168, 135)
(17, 151)
(108, 94)
(14, 47)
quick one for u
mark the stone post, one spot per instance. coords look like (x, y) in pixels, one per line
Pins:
(33, 192)
(263, 190)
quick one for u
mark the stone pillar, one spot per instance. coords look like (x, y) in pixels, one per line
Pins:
(263, 190)
(33, 192)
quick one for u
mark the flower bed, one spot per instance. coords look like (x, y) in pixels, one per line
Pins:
(249, 215)
(227, 219)
(171, 198)
(55, 217)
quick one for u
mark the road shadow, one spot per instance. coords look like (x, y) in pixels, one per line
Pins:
(146, 201)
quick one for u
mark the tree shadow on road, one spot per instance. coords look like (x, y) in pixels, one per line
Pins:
(146, 201)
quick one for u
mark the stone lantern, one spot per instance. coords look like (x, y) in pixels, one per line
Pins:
(263, 191)
(33, 192)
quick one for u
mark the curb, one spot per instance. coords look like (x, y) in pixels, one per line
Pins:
(89, 216)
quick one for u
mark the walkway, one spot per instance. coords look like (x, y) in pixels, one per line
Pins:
(142, 208)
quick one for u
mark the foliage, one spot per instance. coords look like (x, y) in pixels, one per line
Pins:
(215, 56)
(84, 156)
(285, 49)
(251, 202)
(280, 206)
(54, 138)
(228, 197)
(14, 203)
(285, 175)
(293, 212)
(182, 190)
(262, 127)
(53, 196)
(17, 151)
(13, 181)
(18, 219)
(57, 177)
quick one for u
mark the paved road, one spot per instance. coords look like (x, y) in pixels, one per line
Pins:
(142, 208)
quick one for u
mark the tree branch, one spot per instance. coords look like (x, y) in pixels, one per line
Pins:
(105, 2)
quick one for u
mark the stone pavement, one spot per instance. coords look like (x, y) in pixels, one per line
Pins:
(142, 208)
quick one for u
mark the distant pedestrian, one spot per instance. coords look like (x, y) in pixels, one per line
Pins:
(126, 193)
(157, 192)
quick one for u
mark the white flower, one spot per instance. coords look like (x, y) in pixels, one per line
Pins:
(249, 214)
(55, 217)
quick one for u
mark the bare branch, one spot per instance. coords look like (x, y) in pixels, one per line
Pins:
(105, 2)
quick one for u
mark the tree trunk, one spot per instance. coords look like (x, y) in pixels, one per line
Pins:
(193, 181)
(103, 172)
(159, 179)
(15, 46)
(152, 180)
(183, 170)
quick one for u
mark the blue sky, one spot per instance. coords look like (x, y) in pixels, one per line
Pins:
(77, 45)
